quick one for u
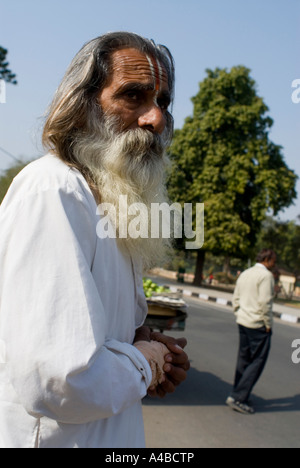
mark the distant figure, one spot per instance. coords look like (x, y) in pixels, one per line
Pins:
(253, 302)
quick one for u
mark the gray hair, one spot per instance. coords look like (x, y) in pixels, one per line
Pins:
(75, 106)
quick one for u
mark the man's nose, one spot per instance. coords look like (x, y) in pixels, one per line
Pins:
(153, 119)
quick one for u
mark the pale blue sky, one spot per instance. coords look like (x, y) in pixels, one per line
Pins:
(43, 36)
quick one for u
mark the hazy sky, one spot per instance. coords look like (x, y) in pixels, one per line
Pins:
(43, 36)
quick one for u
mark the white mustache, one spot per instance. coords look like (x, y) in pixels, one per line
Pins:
(141, 141)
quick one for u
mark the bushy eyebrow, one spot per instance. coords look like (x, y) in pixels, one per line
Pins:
(137, 86)
(141, 87)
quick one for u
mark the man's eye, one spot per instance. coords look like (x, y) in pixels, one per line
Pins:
(163, 104)
(133, 95)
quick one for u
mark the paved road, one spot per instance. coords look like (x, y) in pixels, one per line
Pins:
(195, 416)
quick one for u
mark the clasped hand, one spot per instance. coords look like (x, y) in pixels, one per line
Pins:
(176, 362)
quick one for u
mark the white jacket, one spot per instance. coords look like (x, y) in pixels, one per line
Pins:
(253, 297)
(69, 307)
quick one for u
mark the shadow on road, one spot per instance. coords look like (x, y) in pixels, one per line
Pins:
(277, 405)
(206, 389)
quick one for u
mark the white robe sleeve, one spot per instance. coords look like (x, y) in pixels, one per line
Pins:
(60, 361)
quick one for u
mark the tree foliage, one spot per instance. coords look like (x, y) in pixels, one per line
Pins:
(7, 178)
(224, 158)
(5, 73)
(284, 239)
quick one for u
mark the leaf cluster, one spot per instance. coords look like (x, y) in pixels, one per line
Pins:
(5, 73)
(284, 238)
(7, 178)
(224, 158)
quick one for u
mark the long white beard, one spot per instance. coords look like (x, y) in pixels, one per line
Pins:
(132, 164)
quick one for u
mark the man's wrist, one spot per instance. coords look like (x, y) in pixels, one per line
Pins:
(142, 334)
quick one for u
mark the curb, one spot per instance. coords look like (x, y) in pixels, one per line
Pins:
(225, 302)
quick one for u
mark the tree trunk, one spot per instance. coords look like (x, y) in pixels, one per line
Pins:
(199, 267)
(226, 265)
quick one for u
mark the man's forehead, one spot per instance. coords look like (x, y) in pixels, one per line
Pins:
(132, 64)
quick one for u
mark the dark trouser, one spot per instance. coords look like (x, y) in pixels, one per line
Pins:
(254, 350)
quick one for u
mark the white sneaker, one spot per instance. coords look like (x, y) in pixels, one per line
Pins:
(238, 406)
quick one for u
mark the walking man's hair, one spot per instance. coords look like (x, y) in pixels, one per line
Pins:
(265, 255)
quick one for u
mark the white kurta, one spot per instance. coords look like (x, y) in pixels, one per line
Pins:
(69, 307)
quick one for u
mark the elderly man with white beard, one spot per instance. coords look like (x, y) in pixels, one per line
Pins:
(75, 358)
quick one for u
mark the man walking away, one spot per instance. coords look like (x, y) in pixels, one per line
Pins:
(253, 302)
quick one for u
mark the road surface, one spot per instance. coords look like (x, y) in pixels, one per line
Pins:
(195, 416)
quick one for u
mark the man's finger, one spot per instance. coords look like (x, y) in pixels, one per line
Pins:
(182, 342)
(168, 340)
(174, 374)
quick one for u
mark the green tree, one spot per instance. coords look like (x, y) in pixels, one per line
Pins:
(7, 178)
(284, 238)
(5, 73)
(224, 158)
